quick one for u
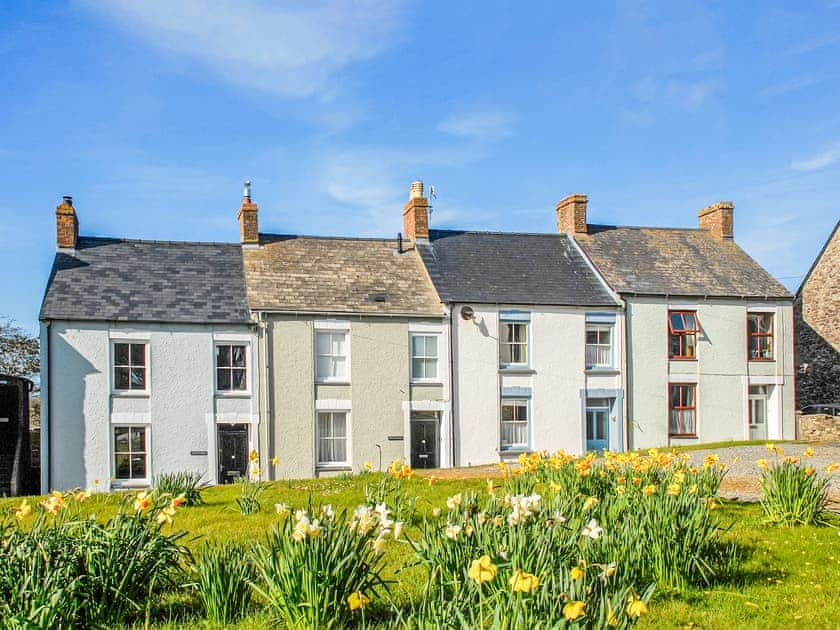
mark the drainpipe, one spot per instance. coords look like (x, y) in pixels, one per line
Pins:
(452, 405)
(46, 451)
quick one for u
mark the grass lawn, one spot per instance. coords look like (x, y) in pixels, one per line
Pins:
(790, 577)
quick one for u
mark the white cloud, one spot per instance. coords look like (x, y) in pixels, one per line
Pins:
(294, 51)
(480, 124)
(819, 160)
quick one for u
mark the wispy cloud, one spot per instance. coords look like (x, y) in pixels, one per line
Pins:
(791, 85)
(481, 124)
(819, 160)
(294, 51)
(816, 42)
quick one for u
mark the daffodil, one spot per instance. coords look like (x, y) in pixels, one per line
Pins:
(592, 530)
(454, 501)
(357, 600)
(431, 480)
(809, 471)
(590, 502)
(452, 531)
(809, 452)
(573, 609)
(761, 463)
(281, 508)
(482, 570)
(254, 455)
(368, 466)
(674, 489)
(636, 607)
(832, 468)
(275, 460)
(649, 490)
(142, 501)
(178, 501)
(24, 510)
(521, 582)
(576, 573)
(81, 496)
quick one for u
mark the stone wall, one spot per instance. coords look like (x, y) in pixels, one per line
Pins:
(819, 428)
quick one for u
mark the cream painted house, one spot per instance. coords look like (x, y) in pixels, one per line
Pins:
(354, 353)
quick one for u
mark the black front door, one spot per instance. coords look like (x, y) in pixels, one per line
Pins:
(233, 452)
(424, 439)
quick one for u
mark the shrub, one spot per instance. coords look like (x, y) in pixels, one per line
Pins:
(186, 484)
(248, 501)
(314, 571)
(792, 495)
(224, 574)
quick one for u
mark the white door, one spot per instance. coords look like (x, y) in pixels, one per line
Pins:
(759, 395)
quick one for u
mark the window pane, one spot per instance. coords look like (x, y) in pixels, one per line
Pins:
(323, 367)
(322, 343)
(520, 353)
(138, 466)
(323, 424)
(418, 368)
(504, 353)
(591, 336)
(339, 425)
(239, 379)
(121, 439)
(223, 379)
(138, 354)
(752, 324)
(238, 356)
(120, 354)
(688, 421)
(338, 344)
(431, 346)
(121, 378)
(122, 467)
(138, 378)
(138, 439)
(766, 324)
(677, 321)
(431, 368)
(417, 346)
(688, 396)
(340, 367)
(690, 321)
(222, 356)
(674, 395)
(507, 411)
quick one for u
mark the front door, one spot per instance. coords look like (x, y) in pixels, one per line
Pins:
(597, 425)
(424, 439)
(758, 411)
(233, 452)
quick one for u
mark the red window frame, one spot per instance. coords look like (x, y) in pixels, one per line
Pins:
(682, 408)
(681, 335)
(758, 336)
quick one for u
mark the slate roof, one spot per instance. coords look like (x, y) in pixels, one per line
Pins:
(337, 275)
(109, 279)
(668, 261)
(511, 268)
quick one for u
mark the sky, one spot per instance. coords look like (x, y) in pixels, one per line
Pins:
(152, 114)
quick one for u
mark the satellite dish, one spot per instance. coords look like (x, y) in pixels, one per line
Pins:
(467, 312)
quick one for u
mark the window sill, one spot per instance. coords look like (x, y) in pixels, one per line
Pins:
(130, 393)
(421, 382)
(606, 371)
(333, 468)
(516, 369)
(233, 394)
(131, 484)
(761, 360)
(683, 436)
(514, 450)
(321, 381)
(682, 359)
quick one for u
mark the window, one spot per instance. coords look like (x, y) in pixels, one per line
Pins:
(513, 344)
(760, 336)
(682, 338)
(599, 352)
(130, 453)
(683, 410)
(514, 423)
(331, 359)
(424, 357)
(332, 437)
(231, 368)
(130, 366)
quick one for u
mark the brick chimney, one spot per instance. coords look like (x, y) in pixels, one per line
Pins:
(249, 227)
(416, 214)
(66, 224)
(571, 214)
(718, 219)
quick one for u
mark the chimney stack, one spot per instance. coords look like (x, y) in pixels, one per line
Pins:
(718, 219)
(66, 224)
(416, 214)
(571, 214)
(249, 227)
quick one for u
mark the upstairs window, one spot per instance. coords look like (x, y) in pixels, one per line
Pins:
(331, 356)
(424, 357)
(231, 368)
(130, 366)
(599, 352)
(682, 407)
(513, 343)
(683, 327)
(760, 336)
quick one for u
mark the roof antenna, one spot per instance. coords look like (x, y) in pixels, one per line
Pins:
(432, 196)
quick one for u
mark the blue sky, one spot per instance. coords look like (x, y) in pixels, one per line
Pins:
(151, 115)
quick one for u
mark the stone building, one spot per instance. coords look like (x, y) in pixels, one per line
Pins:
(817, 317)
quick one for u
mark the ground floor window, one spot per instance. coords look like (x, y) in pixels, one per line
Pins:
(332, 437)
(131, 453)
(514, 423)
(682, 410)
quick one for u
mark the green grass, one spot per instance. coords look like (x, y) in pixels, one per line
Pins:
(790, 578)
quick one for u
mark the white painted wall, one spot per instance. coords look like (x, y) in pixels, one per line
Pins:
(181, 408)
(556, 376)
(721, 371)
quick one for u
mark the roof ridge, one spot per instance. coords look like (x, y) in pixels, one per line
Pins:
(645, 227)
(378, 239)
(499, 232)
(118, 239)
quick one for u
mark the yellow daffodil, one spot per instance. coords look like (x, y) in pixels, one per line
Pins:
(275, 460)
(832, 468)
(621, 490)
(178, 501)
(142, 501)
(649, 490)
(636, 607)
(572, 610)
(357, 600)
(713, 505)
(253, 455)
(590, 502)
(482, 570)
(809, 452)
(809, 471)
(81, 496)
(521, 582)
(454, 501)
(674, 489)
(576, 573)
(710, 460)
(609, 571)
(489, 486)
(431, 481)
(368, 466)
(24, 510)
(52, 505)
(761, 463)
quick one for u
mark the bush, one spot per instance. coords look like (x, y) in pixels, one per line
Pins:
(315, 571)
(224, 574)
(792, 495)
(185, 484)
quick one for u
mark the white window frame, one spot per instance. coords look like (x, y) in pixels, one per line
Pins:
(232, 393)
(519, 402)
(148, 366)
(332, 327)
(334, 406)
(411, 357)
(130, 483)
(601, 327)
